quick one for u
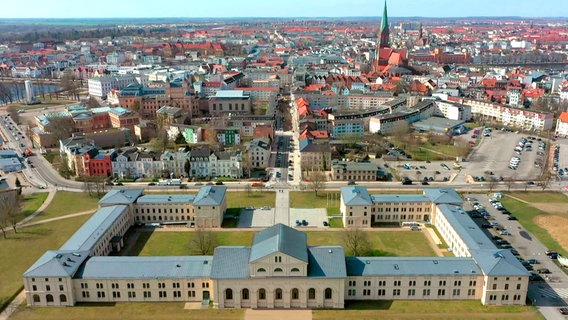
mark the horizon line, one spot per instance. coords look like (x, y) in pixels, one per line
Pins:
(277, 17)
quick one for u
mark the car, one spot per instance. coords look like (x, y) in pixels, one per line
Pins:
(219, 183)
(351, 183)
(553, 256)
(304, 223)
(504, 233)
(511, 218)
(22, 145)
(326, 224)
(542, 271)
(471, 199)
(118, 184)
(502, 241)
(563, 310)
(424, 183)
(486, 225)
(298, 223)
(198, 184)
(249, 208)
(550, 252)
(406, 181)
(530, 183)
(533, 261)
(265, 208)
(415, 228)
(152, 184)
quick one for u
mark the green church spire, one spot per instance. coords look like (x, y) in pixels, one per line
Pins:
(384, 34)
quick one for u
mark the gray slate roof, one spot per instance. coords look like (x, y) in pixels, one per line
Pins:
(399, 198)
(326, 262)
(356, 196)
(166, 198)
(231, 262)
(499, 263)
(57, 263)
(409, 266)
(210, 196)
(146, 267)
(91, 231)
(122, 196)
(440, 196)
(279, 238)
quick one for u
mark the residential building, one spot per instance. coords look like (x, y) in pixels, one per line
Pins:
(229, 136)
(147, 100)
(513, 117)
(315, 156)
(101, 86)
(259, 153)
(356, 171)
(562, 125)
(167, 115)
(452, 110)
(388, 124)
(229, 102)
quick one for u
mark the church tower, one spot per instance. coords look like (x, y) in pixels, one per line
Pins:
(384, 33)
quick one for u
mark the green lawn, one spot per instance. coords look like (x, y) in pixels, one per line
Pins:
(121, 311)
(336, 223)
(66, 203)
(542, 197)
(31, 203)
(426, 310)
(388, 243)
(51, 156)
(20, 250)
(308, 199)
(382, 243)
(525, 213)
(243, 199)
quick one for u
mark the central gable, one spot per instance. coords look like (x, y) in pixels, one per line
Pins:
(279, 238)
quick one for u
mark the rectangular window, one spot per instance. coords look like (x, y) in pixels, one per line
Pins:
(426, 292)
(411, 292)
(456, 292)
(441, 292)
(381, 292)
(396, 292)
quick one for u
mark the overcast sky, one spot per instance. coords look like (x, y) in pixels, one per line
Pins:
(278, 8)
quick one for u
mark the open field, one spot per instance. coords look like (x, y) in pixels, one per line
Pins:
(542, 197)
(242, 199)
(426, 310)
(545, 226)
(121, 311)
(382, 243)
(308, 199)
(31, 203)
(20, 250)
(66, 203)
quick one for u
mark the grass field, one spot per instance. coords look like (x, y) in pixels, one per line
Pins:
(388, 243)
(242, 199)
(526, 215)
(121, 311)
(20, 250)
(540, 197)
(31, 203)
(66, 203)
(308, 199)
(426, 310)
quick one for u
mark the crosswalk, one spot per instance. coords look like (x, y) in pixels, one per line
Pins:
(554, 292)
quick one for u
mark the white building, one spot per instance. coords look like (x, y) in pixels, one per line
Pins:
(453, 111)
(562, 125)
(101, 86)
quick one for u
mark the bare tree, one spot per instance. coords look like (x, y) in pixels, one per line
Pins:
(13, 112)
(317, 181)
(356, 242)
(203, 242)
(61, 127)
(9, 211)
(544, 180)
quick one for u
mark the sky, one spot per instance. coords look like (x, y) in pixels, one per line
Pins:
(279, 8)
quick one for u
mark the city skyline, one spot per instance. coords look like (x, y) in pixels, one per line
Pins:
(290, 8)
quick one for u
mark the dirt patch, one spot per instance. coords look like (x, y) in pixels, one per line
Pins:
(555, 225)
(253, 314)
(553, 208)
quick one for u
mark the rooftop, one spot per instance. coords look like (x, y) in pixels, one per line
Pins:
(409, 266)
(166, 198)
(279, 238)
(210, 196)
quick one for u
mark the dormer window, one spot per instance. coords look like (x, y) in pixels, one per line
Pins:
(278, 270)
(295, 270)
(261, 270)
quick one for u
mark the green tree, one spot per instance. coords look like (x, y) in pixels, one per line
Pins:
(187, 167)
(180, 139)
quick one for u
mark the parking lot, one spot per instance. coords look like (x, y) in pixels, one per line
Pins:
(252, 218)
(259, 218)
(494, 154)
(418, 170)
(313, 217)
(562, 171)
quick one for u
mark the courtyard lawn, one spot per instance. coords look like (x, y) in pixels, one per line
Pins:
(540, 197)
(526, 215)
(426, 310)
(336, 223)
(66, 203)
(243, 199)
(308, 199)
(383, 243)
(20, 250)
(120, 311)
(31, 203)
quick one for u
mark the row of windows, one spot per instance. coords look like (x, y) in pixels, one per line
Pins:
(159, 210)
(49, 298)
(47, 287)
(412, 283)
(259, 270)
(504, 297)
(278, 294)
(145, 285)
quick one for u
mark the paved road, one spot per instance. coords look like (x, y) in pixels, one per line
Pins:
(282, 209)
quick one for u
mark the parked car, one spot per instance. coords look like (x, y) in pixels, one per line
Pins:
(152, 184)
(511, 218)
(533, 261)
(563, 310)
(542, 271)
(550, 251)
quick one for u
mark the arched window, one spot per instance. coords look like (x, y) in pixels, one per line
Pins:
(229, 294)
(49, 298)
(36, 298)
(278, 270)
(261, 270)
(295, 294)
(312, 294)
(245, 294)
(295, 270)
(278, 294)
(62, 298)
(328, 293)
(261, 294)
